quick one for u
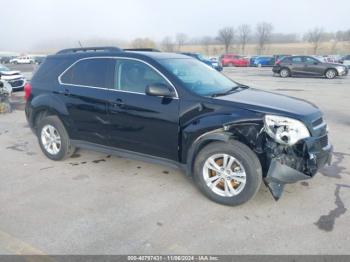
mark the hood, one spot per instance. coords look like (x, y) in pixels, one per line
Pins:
(271, 103)
(332, 64)
(9, 73)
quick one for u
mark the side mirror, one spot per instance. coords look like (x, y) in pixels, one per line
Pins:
(158, 89)
(1, 84)
(315, 63)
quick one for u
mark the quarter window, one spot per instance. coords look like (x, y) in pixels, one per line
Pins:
(135, 76)
(96, 72)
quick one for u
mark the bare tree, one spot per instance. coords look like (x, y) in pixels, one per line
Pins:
(314, 37)
(226, 36)
(168, 44)
(206, 41)
(143, 43)
(338, 37)
(263, 34)
(243, 35)
(181, 40)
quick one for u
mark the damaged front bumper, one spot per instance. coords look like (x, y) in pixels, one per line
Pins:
(295, 163)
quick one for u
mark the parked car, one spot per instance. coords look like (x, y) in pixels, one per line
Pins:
(346, 61)
(308, 65)
(261, 61)
(171, 109)
(234, 60)
(5, 59)
(251, 60)
(22, 60)
(14, 78)
(201, 58)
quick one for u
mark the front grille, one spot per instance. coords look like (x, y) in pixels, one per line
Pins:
(317, 122)
(324, 141)
(16, 83)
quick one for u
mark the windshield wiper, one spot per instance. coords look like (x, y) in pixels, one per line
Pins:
(230, 90)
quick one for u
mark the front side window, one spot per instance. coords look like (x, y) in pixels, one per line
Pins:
(135, 76)
(310, 60)
(198, 77)
(96, 72)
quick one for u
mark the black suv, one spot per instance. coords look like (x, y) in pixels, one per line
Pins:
(172, 109)
(308, 65)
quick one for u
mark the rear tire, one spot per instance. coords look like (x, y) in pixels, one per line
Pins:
(237, 181)
(53, 138)
(330, 73)
(284, 72)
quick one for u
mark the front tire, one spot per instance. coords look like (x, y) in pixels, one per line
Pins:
(228, 173)
(331, 73)
(53, 138)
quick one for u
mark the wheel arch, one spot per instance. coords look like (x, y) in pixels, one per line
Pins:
(246, 133)
(330, 68)
(45, 105)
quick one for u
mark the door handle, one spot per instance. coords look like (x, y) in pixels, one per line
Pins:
(118, 103)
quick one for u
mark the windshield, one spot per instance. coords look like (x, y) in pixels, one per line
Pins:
(198, 77)
(4, 68)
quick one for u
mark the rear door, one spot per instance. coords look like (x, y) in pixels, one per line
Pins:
(142, 123)
(296, 65)
(85, 91)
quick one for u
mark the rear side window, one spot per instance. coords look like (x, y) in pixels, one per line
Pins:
(297, 59)
(96, 72)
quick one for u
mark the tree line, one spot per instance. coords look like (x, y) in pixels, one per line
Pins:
(261, 35)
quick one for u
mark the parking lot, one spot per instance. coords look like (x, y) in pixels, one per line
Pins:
(100, 204)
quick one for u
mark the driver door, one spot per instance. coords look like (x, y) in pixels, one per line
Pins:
(138, 122)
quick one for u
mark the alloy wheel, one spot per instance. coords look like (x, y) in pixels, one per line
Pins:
(224, 175)
(51, 139)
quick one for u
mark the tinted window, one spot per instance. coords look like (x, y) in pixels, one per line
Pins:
(310, 60)
(97, 72)
(135, 76)
(296, 59)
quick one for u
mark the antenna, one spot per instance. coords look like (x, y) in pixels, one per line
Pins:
(80, 44)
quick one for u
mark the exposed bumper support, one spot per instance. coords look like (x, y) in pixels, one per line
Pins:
(280, 174)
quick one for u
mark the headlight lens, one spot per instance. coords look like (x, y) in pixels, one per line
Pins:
(285, 130)
(340, 68)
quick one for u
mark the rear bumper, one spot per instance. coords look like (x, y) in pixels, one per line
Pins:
(282, 170)
(276, 69)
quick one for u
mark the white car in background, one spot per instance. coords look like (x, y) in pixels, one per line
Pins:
(23, 60)
(14, 78)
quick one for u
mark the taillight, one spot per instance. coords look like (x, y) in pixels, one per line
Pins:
(27, 90)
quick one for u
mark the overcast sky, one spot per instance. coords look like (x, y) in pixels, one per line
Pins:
(28, 24)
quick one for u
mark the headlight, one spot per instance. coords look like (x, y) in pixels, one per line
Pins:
(285, 130)
(340, 69)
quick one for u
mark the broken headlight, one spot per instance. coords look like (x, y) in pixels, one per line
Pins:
(285, 130)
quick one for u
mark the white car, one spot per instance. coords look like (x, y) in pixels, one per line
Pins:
(346, 61)
(23, 60)
(14, 78)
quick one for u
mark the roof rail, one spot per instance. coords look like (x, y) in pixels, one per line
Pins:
(142, 49)
(88, 49)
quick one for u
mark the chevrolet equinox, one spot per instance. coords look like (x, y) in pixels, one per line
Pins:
(174, 110)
